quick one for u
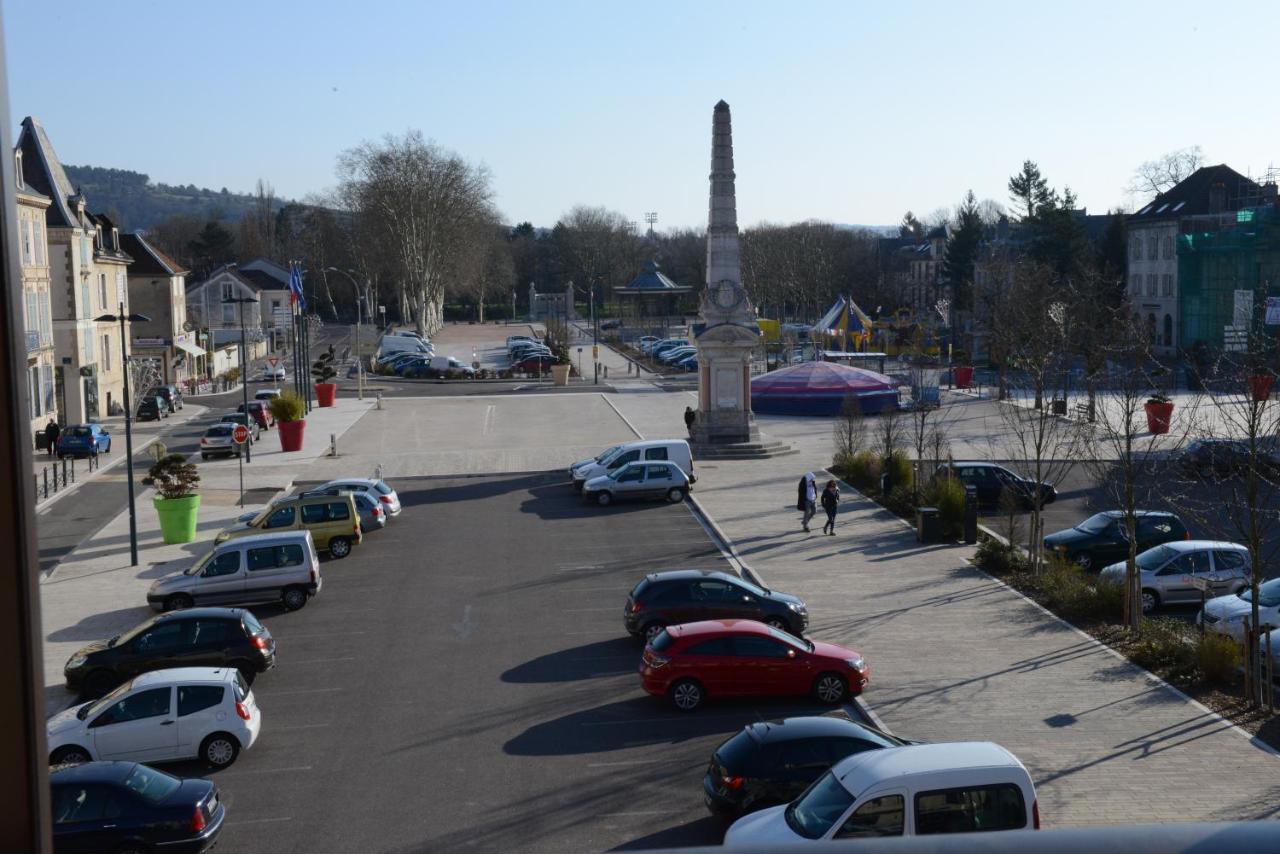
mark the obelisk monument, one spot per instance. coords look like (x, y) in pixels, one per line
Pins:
(727, 332)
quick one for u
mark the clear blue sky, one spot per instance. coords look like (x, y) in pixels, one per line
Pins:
(849, 111)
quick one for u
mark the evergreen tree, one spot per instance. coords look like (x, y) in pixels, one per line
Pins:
(962, 251)
(911, 227)
(1029, 190)
(214, 245)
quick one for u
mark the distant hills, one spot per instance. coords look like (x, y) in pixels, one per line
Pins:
(135, 203)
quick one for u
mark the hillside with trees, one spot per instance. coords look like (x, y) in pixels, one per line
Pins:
(135, 203)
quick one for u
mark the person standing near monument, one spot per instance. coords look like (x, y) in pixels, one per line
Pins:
(689, 418)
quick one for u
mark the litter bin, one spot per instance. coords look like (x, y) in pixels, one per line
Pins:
(970, 514)
(928, 524)
(1059, 406)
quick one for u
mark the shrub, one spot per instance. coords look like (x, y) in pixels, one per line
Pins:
(287, 407)
(900, 500)
(947, 494)
(1218, 656)
(1162, 644)
(173, 476)
(863, 470)
(322, 368)
(901, 470)
(999, 558)
(232, 374)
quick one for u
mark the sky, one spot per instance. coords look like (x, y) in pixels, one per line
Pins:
(849, 112)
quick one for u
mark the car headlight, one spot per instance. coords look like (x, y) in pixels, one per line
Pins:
(1059, 548)
(857, 664)
(796, 606)
(76, 662)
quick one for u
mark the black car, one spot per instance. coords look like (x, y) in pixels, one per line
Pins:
(170, 394)
(1209, 458)
(772, 763)
(125, 806)
(151, 409)
(687, 595)
(196, 637)
(991, 481)
(1102, 539)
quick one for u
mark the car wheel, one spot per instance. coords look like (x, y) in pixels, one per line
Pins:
(220, 749)
(178, 602)
(651, 631)
(293, 598)
(830, 688)
(97, 683)
(1084, 561)
(1150, 601)
(70, 755)
(686, 695)
(675, 495)
(604, 499)
(339, 547)
(108, 448)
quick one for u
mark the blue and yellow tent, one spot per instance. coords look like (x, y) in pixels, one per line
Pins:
(844, 327)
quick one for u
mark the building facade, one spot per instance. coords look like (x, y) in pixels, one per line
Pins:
(157, 289)
(219, 321)
(37, 315)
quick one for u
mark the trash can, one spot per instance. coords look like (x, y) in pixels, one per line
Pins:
(928, 524)
(1059, 406)
(970, 515)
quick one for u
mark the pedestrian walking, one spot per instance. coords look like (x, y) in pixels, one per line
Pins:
(51, 431)
(689, 417)
(807, 499)
(830, 502)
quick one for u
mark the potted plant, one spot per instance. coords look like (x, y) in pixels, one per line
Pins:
(323, 373)
(177, 505)
(1258, 376)
(1159, 409)
(288, 411)
(961, 370)
(560, 367)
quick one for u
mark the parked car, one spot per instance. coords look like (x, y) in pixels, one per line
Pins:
(261, 413)
(645, 341)
(726, 658)
(247, 420)
(669, 598)
(402, 344)
(448, 363)
(534, 364)
(270, 374)
(212, 717)
(277, 566)
(1166, 572)
(171, 393)
(210, 637)
(1209, 458)
(1226, 614)
(916, 790)
(372, 515)
(773, 763)
(151, 409)
(83, 440)
(1103, 538)
(217, 441)
(267, 394)
(671, 355)
(331, 520)
(661, 347)
(512, 340)
(128, 807)
(617, 456)
(409, 333)
(380, 489)
(991, 480)
(611, 324)
(638, 481)
(688, 363)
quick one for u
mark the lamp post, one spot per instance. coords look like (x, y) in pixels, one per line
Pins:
(244, 368)
(122, 318)
(595, 335)
(359, 306)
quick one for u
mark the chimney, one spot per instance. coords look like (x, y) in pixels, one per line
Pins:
(1217, 197)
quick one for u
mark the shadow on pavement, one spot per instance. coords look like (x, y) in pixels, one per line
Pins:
(605, 658)
(708, 830)
(561, 502)
(104, 625)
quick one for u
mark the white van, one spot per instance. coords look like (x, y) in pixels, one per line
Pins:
(275, 567)
(402, 344)
(448, 363)
(917, 790)
(611, 459)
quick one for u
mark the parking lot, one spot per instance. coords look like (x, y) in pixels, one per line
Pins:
(485, 693)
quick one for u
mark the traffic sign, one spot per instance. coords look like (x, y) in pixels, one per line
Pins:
(240, 434)
(273, 360)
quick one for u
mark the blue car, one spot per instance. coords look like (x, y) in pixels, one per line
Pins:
(411, 367)
(688, 363)
(83, 440)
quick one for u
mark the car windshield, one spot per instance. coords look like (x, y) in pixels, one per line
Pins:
(1155, 558)
(125, 637)
(1095, 524)
(607, 454)
(151, 785)
(799, 643)
(218, 431)
(78, 432)
(812, 814)
(1268, 594)
(90, 709)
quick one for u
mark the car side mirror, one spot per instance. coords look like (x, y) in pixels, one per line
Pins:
(106, 432)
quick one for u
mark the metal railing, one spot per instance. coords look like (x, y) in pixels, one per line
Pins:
(59, 475)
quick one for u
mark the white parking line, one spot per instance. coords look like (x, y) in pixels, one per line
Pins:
(276, 728)
(488, 420)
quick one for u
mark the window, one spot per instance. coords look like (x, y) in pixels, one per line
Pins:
(1151, 284)
(806, 753)
(211, 632)
(41, 258)
(228, 314)
(1168, 247)
(1228, 560)
(102, 290)
(716, 646)
(1135, 284)
(1135, 247)
(151, 785)
(877, 817)
(711, 591)
(145, 704)
(77, 802)
(752, 646)
(1152, 526)
(227, 292)
(197, 698)
(1152, 243)
(656, 453)
(339, 510)
(166, 636)
(1166, 285)
(227, 563)
(86, 310)
(28, 250)
(659, 472)
(812, 814)
(623, 459)
(1190, 562)
(282, 518)
(275, 557)
(981, 808)
(106, 352)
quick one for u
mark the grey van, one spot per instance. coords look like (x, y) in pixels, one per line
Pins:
(278, 567)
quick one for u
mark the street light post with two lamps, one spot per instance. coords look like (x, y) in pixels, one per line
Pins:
(360, 297)
(122, 318)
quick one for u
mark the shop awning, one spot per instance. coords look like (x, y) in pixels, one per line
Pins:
(190, 348)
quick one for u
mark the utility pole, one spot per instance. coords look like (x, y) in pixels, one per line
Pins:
(122, 318)
(244, 367)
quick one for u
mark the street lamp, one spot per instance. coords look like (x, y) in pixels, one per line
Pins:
(244, 367)
(359, 305)
(123, 318)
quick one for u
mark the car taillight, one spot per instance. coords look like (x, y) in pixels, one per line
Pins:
(315, 575)
(636, 607)
(259, 642)
(197, 820)
(242, 710)
(731, 783)
(385, 499)
(1035, 815)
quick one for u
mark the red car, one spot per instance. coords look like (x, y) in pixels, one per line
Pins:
(261, 413)
(740, 658)
(534, 364)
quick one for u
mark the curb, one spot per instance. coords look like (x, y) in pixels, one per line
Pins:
(723, 543)
(48, 502)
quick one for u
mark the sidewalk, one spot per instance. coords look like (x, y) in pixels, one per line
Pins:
(94, 593)
(956, 655)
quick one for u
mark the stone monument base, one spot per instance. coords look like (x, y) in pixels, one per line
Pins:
(727, 426)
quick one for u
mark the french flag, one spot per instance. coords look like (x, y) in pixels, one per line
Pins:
(295, 286)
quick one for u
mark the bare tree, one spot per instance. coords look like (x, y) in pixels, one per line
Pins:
(1153, 177)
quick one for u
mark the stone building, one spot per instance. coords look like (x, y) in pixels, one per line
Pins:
(36, 313)
(157, 289)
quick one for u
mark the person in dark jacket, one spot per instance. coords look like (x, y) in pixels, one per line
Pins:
(689, 418)
(806, 499)
(51, 431)
(830, 502)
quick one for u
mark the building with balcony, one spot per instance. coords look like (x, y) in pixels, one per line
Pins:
(33, 247)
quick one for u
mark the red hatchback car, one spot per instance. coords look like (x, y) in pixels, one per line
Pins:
(741, 658)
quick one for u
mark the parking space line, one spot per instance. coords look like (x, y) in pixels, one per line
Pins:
(240, 821)
(288, 727)
(633, 721)
(586, 610)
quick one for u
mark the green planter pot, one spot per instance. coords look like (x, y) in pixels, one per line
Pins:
(178, 517)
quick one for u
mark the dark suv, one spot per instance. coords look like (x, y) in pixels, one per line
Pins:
(1102, 539)
(197, 637)
(172, 396)
(991, 480)
(689, 595)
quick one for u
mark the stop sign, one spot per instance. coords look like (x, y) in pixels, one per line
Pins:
(240, 434)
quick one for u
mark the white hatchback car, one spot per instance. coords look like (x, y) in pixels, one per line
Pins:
(181, 713)
(1226, 614)
(379, 490)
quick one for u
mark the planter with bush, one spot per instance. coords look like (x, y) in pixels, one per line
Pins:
(177, 504)
(322, 373)
(961, 370)
(1159, 410)
(290, 414)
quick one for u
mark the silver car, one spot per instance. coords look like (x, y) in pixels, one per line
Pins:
(638, 480)
(379, 490)
(1169, 572)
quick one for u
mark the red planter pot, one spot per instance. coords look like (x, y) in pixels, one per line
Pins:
(962, 376)
(1260, 386)
(326, 392)
(291, 434)
(1158, 417)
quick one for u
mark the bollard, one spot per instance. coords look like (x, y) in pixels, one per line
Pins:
(379, 400)
(333, 444)
(606, 372)
(35, 485)
(45, 472)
